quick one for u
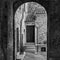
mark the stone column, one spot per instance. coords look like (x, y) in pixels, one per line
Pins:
(10, 32)
(35, 35)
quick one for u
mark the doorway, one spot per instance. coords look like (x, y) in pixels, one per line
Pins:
(30, 34)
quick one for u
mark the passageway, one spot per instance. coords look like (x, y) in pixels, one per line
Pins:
(31, 37)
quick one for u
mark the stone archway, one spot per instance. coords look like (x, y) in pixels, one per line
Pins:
(22, 19)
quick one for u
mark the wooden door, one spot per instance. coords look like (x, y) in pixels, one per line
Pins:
(30, 33)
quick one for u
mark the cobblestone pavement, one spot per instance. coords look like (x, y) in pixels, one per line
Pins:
(30, 56)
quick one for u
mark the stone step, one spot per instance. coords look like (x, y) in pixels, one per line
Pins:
(30, 50)
(29, 44)
(30, 47)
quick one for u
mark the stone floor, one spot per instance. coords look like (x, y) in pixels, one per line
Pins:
(31, 56)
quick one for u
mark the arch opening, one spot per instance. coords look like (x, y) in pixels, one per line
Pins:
(31, 21)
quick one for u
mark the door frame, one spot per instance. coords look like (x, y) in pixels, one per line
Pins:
(30, 24)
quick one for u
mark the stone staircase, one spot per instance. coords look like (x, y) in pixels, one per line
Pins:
(30, 47)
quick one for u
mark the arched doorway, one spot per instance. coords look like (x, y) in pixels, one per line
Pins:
(31, 27)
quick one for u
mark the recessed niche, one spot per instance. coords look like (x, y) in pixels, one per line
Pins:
(43, 49)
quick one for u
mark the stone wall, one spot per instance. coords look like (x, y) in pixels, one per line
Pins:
(40, 20)
(10, 32)
(4, 30)
(54, 29)
(1, 52)
(42, 27)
